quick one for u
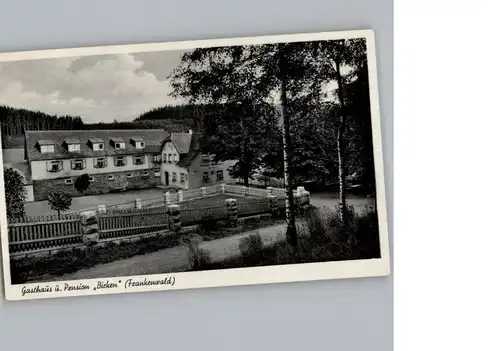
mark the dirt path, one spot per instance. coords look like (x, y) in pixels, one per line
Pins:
(175, 259)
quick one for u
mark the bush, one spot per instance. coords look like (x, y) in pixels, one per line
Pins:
(321, 239)
(69, 261)
(15, 194)
(251, 245)
(198, 258)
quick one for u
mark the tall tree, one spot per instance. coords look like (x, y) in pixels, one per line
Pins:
(336, 59)
(291, 229)
(224, 80)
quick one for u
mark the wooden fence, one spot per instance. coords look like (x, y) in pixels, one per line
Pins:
(46, 235)
(184, 196)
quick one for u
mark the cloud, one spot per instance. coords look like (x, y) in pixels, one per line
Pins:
(97, 88)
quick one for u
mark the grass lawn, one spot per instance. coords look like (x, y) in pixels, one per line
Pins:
(148, 196)
(40, 208)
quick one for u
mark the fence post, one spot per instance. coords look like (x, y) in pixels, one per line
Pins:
(138, 204)
(273, 206)
(90, 227)
(101, 208)
(174, 213)
(203, 191)
(232, 212)
(223, 188)
(168, 200)
(180, 196)
(305, 199)
(300, 190)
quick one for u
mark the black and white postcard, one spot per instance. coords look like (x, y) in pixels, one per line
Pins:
(194, 164)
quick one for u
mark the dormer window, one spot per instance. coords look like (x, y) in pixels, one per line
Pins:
(72, 145)
(46, 146)
(118, 143)
(138, 142)
(96, 144)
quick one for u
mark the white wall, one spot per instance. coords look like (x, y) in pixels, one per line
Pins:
(39, 168)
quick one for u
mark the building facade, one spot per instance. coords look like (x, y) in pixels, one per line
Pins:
(115, 160)
(184, 166)
(118, 160)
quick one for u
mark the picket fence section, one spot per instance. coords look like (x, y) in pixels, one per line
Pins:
(29, 237)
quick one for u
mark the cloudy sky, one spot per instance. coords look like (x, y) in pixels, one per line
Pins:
(97, 88)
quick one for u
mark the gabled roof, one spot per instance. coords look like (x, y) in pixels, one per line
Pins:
(72, 141)
(136, 138)
(194, 150)
(182, 141)
(153, 139)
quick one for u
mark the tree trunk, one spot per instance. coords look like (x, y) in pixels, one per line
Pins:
(340, 139)
(245, 164)
(291, 230)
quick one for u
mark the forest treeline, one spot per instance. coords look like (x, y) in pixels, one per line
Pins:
(14, 121)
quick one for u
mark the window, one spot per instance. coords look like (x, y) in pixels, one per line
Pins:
(157, 158)
(174, 177)
(220, 175)
(77, 164)
(145, 174)
(120, 161)
(129, 175)
(74, 147)
(119, 145)
(44, 149)
(213, 172)
(111, 177)
(68, 181)
(175, 158)
(205, 160)
(157, 174)
(206, 177)
(97, 146)
(169, 158)
(182, 178)
(100, 162)
(140, 145)
(138, 160)
(164, 158)
(54, 166)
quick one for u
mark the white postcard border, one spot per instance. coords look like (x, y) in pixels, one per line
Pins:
(225, 277)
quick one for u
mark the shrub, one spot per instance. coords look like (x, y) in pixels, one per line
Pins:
(82, 183)
(59, 202)
(15, 194)
(198, 258)
(251, 245)
(209, 223)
